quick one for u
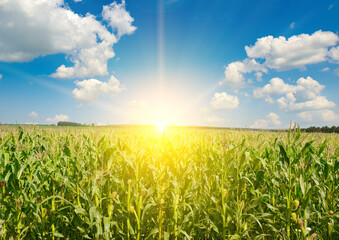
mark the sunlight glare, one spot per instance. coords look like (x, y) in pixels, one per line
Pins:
(161, 127)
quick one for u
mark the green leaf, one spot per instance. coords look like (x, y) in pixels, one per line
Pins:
(152, 232)
(234, 237)
(67, 151)
(322, 147)
(326, 170)
(21, 133)
(306, 147)
(302, 184)
(284, 154)
(93, 214)
(298, 134)
(21, 170)
(59, 235)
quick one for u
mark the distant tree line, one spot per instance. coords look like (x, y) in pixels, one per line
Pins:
(71, 124)
(324, 129)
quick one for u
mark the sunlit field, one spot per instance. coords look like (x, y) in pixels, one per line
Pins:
(167, 183)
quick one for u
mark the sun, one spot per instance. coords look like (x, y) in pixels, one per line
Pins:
(161, 127)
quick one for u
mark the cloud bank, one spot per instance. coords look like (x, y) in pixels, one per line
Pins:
(43, 27)
(306, 94)
(282, 54)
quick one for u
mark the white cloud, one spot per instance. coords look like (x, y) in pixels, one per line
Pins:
(234, 72)
(308, 88)
(272, 120)
(214, 120)
(320, 115)
(33, 115)
(118, 18)
(137, 104)
(292, 25)
(306, 94)
(325, 69)
(334, 54)
(290, 104)
(336, 72)
(276, 86)
(92, 89)
(57, 118)
(269, 100)
(0, 76)
(295, 52)
(77, 0)
(281, 54)
(259, 76)
(40, 27)
(224, 101)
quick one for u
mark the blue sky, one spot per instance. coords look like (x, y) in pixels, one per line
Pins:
(238, 63)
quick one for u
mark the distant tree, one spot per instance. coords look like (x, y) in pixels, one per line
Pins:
(324, 129)
(71, 124)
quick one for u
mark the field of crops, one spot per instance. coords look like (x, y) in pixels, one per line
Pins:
(183, 183)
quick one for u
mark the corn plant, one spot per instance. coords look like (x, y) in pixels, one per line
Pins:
(183, 183)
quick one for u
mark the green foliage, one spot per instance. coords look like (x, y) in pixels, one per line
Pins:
(137, 183)
(324, 129)
(69, 124)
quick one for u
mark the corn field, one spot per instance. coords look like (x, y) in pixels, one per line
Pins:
(183, 183)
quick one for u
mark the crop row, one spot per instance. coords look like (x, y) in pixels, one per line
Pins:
(137, 183)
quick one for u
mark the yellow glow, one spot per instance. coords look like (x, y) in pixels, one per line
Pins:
(168, 105)
(161, 127)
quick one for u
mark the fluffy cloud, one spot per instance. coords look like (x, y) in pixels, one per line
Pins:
(306, 94)
(282, 54)
(42, 27)
(92, 89)
(320, 115)
(289, 103)
(308, 88)
(224, 101)
(57, 118)
(295, 52)
(325, 69)
(272, 120)
(276, 86)
(214, 120)
(118, 18)
(33, 115)
(234, 72)
(334, 54)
